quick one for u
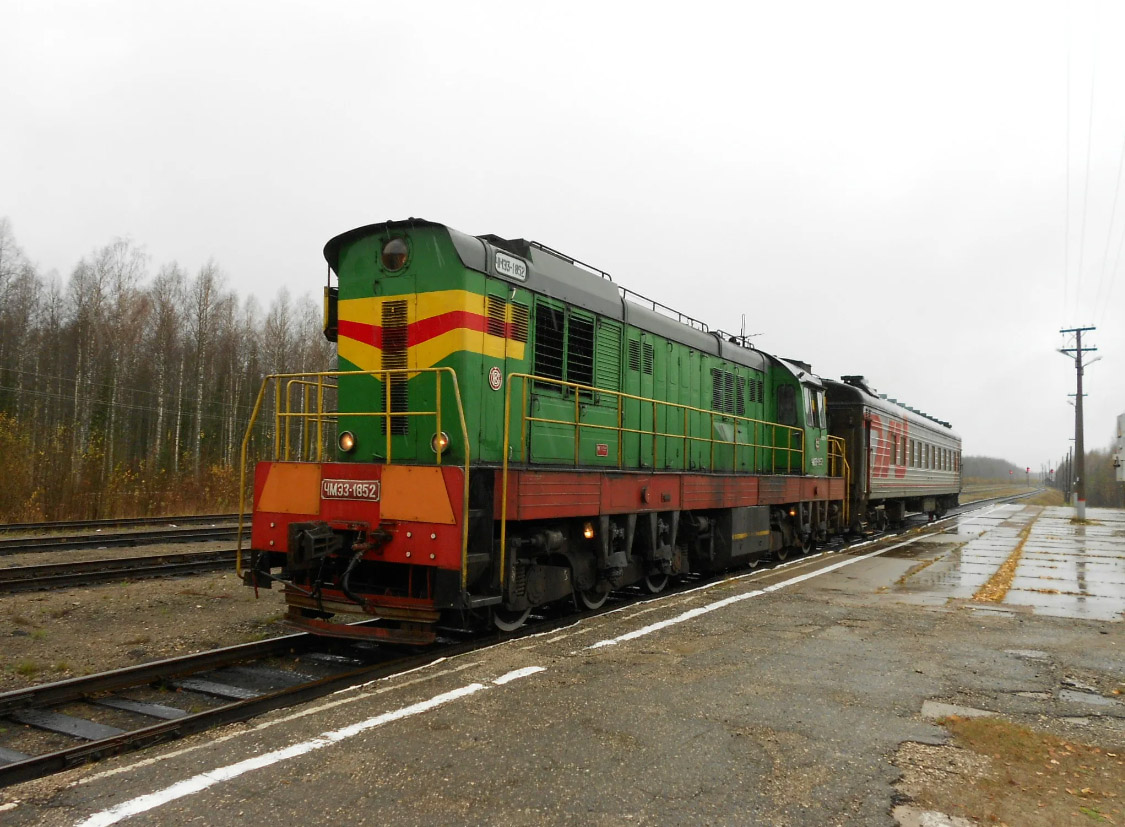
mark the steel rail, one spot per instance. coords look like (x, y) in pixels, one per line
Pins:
(82, 688)
(23, 545)
(71, 525)
(85, 572)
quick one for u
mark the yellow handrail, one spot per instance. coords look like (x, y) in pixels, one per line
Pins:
(837, 455)
(306, 386)
(284, 414)
(576, 388)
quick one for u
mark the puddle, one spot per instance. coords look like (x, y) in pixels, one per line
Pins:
(1063, 570)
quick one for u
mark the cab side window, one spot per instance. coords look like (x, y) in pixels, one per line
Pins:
(786, 405)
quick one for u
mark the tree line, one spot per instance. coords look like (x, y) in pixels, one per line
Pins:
(126, 389)
(1102, 488)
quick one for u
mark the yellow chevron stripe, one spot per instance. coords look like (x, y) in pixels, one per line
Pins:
(423, 306)
(428, 354)
(419, 305)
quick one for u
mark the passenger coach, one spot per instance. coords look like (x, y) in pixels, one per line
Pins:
(901, 459)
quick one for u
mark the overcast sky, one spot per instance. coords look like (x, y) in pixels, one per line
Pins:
(881, 188)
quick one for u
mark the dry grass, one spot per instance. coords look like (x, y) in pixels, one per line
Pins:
(996, 589)
(1048, 496)
(1035, 778)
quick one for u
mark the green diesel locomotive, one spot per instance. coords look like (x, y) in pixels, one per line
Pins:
(509, 428)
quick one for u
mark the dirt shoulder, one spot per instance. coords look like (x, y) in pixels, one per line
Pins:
(49, 636)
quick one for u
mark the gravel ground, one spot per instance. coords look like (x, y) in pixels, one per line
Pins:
(49, 636)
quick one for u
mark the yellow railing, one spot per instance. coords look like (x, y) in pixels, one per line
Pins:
(310, 415)
(838, 467)
(583, 396)
(306, 386)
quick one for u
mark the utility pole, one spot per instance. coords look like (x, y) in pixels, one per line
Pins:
(1079, 444)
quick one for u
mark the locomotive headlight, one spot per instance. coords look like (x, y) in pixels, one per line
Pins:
(588, 531)
(394, 255)
(347, 441)
(439, 443)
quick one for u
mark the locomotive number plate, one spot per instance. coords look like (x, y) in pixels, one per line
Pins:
(350, 490)
(510, 266)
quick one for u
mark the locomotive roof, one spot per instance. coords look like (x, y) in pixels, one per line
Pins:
(561, 277)
(801, 371)
(856, 390)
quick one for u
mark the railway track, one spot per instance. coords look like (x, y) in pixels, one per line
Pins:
(24, 545)
(64, 724)
(90, 572)
(52, 727)
(125, 522)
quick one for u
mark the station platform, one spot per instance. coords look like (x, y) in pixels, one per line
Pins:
(782, 696)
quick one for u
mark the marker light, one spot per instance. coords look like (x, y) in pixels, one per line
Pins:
(347, 441)
(439, 443)
(394, 254)
(588, 531)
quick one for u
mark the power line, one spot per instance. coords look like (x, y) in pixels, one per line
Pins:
(1109, 233)
(1089, 143)
(1066, 233)
(1113, 275)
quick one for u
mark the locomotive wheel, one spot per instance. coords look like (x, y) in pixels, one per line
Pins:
(807, 544)
(781, 554)
(592, 598)
(655, 583)
(508, 620)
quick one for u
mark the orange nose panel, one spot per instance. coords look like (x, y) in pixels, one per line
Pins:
(416, 495)
(291, 488)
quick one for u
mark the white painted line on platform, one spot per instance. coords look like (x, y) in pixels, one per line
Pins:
(259, 727)
(517, 674)
(738, 598)
(204, 780)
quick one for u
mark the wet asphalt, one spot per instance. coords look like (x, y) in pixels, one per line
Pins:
(728, 705)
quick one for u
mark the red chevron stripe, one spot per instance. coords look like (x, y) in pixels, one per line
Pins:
(369, 334)
(422, 330)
